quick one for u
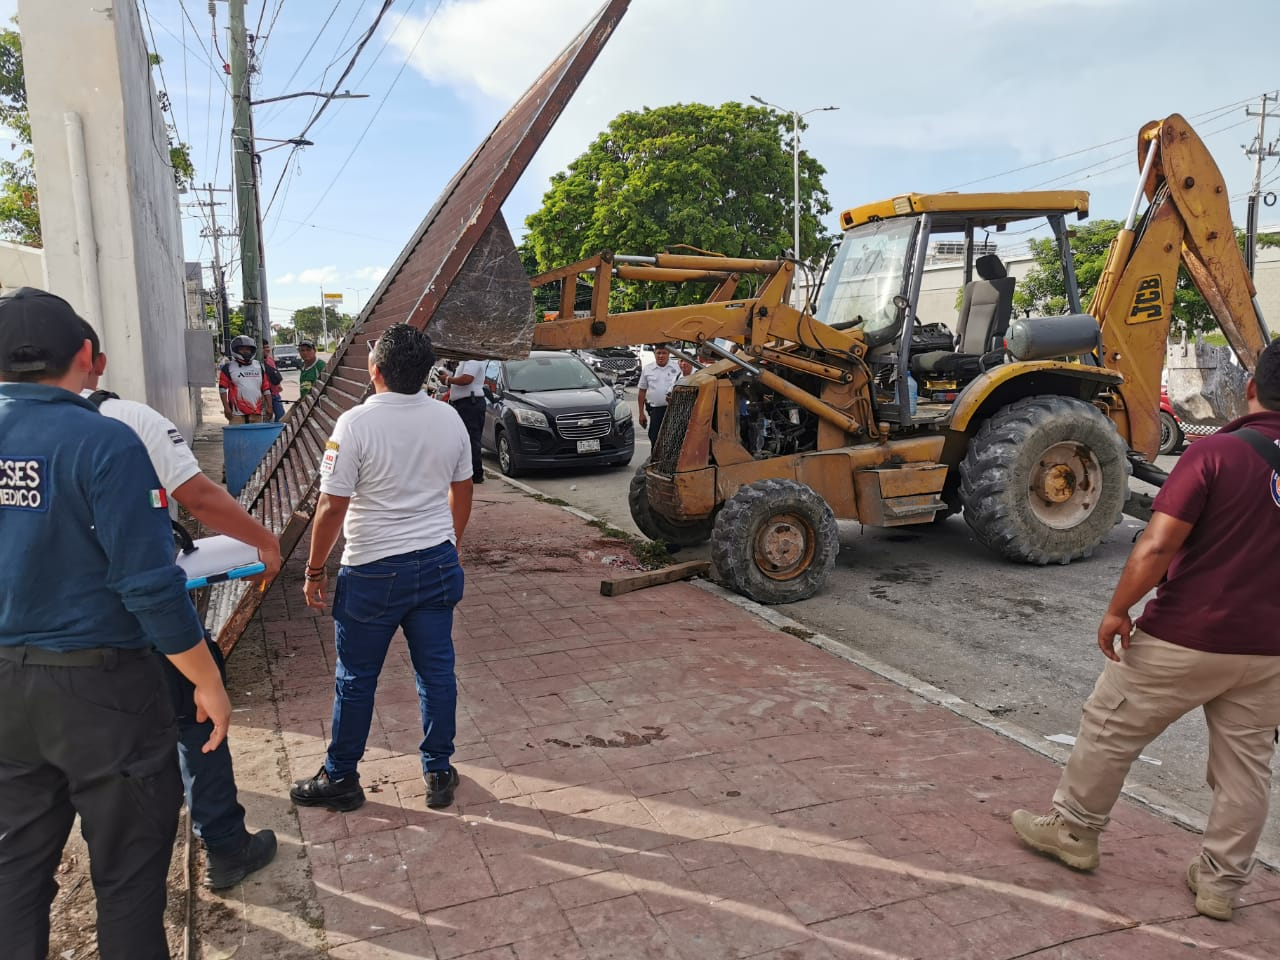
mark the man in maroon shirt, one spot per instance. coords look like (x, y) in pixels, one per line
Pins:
(1210, 638)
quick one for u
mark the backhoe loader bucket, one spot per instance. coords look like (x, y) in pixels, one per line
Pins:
(459, 277)
(1205, 384)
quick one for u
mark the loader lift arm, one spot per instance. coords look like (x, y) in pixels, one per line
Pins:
(1187, 223)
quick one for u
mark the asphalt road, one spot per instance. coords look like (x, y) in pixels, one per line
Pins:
(1018, 641)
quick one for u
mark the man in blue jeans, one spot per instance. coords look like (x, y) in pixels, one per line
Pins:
(395, 479)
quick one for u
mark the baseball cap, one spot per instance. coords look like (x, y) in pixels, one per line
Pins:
(306, 343)
(39, 331)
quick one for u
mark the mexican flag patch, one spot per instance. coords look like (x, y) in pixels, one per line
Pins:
(159, 499)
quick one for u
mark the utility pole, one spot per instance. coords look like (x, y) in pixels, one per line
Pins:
(246, 183)
(214, 234)
(1260, 150)
(324, 318)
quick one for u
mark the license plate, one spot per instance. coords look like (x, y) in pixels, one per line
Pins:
(588, 446)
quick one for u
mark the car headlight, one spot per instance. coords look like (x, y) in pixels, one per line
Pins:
(622, 412)
(530, 418)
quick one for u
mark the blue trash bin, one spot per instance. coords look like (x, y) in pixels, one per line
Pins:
(243, 447)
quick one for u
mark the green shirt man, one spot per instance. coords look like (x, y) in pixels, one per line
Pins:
(311, 368)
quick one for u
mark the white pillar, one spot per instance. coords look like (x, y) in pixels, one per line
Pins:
(108, 204)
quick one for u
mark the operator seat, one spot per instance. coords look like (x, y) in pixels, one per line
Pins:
(986, 308)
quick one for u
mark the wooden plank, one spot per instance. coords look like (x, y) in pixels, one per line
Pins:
(652, 578)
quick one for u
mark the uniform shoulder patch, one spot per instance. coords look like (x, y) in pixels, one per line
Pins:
(24, 484)
(175, 437)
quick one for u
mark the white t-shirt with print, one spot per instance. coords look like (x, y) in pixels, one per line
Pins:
(171, 458)
(475, 388)
(395, 456)
(657, 382)
(247, 378)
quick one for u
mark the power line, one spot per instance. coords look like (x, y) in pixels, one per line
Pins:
(382, 103)
(324, 104)
(314, 41)
(1217, 111)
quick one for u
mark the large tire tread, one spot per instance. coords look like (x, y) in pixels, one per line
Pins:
(732, 540)
(993, 486)
(657, 527)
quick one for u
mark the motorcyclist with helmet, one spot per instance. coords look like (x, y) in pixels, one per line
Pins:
(244, 383)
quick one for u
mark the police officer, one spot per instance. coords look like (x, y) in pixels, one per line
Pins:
(208, 779)
(88, 592)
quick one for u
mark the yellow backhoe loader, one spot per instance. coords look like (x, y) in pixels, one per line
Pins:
(864, 410)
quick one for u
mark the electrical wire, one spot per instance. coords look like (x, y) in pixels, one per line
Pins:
(382, 103)
(1218, 112)
(312, 46)
(324, 104)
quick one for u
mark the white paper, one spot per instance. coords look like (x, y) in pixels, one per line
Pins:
(1068, 740)
(215, 555)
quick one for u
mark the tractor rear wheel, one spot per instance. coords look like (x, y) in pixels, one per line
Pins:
(775, 541)
(1044, 480)
(676, 533)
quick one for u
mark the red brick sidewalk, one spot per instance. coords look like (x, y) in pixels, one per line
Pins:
(662, 775)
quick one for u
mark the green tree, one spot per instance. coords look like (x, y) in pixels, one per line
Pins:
(716, 178)
(307, 322)
(19, 201)
(1043, 290)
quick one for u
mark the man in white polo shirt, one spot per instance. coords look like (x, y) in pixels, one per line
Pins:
(396, 480)
(656, 382)
(466, 393)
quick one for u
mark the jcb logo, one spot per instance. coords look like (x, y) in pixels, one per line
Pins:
(1148, 302)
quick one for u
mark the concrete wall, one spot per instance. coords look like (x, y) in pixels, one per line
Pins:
(21, 266)
(109, 214)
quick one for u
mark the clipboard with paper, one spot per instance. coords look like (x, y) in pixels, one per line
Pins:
(215, 559)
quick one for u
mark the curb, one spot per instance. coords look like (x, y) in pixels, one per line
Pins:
(1155, 801)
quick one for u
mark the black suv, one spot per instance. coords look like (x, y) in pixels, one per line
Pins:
(620, 364)
(286, 356)
(551, 410)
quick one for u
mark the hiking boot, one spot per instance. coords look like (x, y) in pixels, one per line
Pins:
(1052, 835)
(1207, 904)
(224, 870)
(440, 786)
(319, 791)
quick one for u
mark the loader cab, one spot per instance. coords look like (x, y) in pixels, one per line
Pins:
(876, 278)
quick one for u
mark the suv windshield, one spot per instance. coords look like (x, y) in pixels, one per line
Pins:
(286, 351)
(550, 373)
(865, 277)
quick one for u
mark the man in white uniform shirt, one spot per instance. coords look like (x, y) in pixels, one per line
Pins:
(466, 393)
(396, 480)
(208, 778)
(656, 381)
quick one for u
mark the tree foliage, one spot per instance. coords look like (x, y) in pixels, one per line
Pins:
(307, 322)
(715, 178)
(1043, 290)
(19, 201)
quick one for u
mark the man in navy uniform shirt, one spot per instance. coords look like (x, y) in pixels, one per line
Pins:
(89, 591)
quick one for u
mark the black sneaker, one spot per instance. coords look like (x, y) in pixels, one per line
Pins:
(228, 869)
(319, 791)
(440, 786)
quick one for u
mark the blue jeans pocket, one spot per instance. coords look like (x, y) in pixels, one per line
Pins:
(451, 583)
(363, 596)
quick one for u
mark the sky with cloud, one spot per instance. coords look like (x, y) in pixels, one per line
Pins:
(933, 95)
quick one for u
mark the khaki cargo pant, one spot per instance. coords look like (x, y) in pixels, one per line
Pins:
(1134, 701)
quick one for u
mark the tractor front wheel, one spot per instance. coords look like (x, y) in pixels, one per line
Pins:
(775, 541)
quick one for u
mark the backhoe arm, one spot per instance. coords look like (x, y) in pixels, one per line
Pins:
(1187, 223)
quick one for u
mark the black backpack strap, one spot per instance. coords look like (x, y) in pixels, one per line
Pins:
(99, 397)
(1262, 446)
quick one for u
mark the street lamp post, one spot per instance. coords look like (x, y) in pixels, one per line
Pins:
(795, 158)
